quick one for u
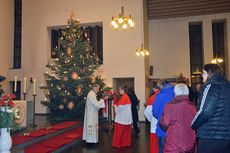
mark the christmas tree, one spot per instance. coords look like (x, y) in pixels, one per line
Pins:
(71, 75)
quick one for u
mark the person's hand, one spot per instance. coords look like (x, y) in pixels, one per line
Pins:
(106, 97)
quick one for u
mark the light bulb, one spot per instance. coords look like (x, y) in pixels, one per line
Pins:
(115, 26)
(120, 20)
(147, 52)
(124, 26)
(142, 53)
(220, 60)
(130, 21)
(138, 54)
(131, 24)
(113, 22)
(213, 61)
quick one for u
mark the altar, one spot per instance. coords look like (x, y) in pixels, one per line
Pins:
(25, 111)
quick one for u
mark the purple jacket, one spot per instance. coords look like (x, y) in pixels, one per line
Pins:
(176, 120)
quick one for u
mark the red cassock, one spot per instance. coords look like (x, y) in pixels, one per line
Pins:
(154, 148)
(123, 121)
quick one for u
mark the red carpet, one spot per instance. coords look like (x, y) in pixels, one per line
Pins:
(41, 132)
(55, 142)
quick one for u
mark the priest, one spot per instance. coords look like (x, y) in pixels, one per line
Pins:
(123, 121)
(90, 130)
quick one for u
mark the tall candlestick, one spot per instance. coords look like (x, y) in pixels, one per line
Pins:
(34, 86)
(24, 84)
(15, 83)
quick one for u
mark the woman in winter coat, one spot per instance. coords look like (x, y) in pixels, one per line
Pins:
(212, 121)
(176, 120)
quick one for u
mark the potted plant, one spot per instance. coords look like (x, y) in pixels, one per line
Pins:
(7, 121)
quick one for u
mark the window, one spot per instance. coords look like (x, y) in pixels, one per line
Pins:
(218, 37)
(95, 35)
(17, 33)
(196, 53)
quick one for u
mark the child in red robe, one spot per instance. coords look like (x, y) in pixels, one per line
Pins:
(123, 121)
(153, 121)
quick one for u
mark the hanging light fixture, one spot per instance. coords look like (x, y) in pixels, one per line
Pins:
(142, 51)
(122, 21)
(217, 60)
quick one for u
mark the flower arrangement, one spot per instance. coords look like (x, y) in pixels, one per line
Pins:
(109, 94)
(112, 95)
(7, 114)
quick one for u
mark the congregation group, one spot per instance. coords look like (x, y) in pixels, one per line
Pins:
(180, 123)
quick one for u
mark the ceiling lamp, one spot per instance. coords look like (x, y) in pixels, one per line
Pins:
(122, 21)
(142, 51)
(217, 60)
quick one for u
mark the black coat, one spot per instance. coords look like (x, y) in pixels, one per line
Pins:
(212, 121)
(134, 100)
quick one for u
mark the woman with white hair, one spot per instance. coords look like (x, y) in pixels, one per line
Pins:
(176, 120)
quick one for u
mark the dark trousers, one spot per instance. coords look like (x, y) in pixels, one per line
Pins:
(161, 142)
(135, 126)
(213, 146)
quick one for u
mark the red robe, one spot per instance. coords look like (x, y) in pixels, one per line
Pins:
(154, 148)
(123, 121)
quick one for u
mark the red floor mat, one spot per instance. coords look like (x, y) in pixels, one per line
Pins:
(41, 132)
(55, 142)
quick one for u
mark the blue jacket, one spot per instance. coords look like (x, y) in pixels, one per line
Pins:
(161, 99)
(212, 121)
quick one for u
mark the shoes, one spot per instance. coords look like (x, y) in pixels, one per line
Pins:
(92, 145)
(137, 131)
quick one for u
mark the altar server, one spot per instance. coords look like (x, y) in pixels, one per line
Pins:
(123, 121)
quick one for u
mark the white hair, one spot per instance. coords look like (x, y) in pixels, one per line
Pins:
(181, 90)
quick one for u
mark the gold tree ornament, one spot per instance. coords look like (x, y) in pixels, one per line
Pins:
(66, 78)
(61, 106)
(58, 87)
(87, 56)
(80, 56)
(97, 59)
(86, 34)
(74, 75)
(100, 71)
(47, 92)
(69, 51)
(93, 79)
(70, 105)
(74, 43)
(74, 30)
(79, 90)
(72, 16)
(63, 33)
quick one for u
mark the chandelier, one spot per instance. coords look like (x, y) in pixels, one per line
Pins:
(217, 60)
(142, 51)
(122, 21)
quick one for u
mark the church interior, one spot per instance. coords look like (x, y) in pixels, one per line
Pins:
(135, 42)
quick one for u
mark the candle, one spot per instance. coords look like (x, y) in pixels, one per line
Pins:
(34, 86)
(15, 83)
(24, 84)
